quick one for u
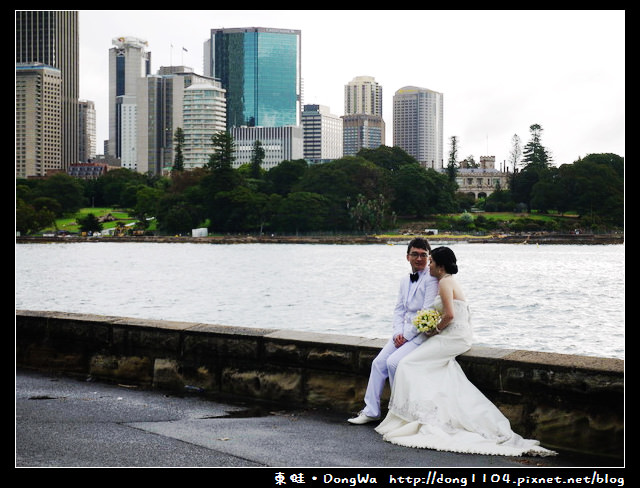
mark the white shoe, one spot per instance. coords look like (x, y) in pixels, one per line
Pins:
(362, 418)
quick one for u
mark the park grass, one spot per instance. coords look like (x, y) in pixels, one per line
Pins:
(70, 224)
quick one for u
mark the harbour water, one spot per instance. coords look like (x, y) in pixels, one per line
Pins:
(555, 298)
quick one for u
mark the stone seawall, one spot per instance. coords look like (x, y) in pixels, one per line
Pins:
(570, 403)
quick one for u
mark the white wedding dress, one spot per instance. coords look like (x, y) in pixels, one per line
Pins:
(434, 406)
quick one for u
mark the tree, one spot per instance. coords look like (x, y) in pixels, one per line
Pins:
(535, 154)
(499, 201)
(369, 214)
(471, 162)
(536, 162)
(546, 192)
(47, 203)
(452, 165)
(413, 191)
(89, 223)
(516, 151)
(303, 212)
(257, 157)
(67, 190)
(223, 151)
(178, 160)
(286, 175)
(114, 187)
(29, 220)
(176, 215)
(594, 187)
(389, 158)
(522, 183)
(146, 206)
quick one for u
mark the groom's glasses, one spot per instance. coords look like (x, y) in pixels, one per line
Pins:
(419, 254)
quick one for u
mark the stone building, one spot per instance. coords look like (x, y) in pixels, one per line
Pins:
(483, 180)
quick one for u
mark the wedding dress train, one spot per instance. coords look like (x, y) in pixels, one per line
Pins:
(433, 405)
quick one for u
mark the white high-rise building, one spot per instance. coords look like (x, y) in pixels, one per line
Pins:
(87, 130)
(322, 133)
(160, 114)
(203, 115)
(418, 124)
(127, 109)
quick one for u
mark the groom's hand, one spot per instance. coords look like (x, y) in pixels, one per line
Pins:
(399, 340)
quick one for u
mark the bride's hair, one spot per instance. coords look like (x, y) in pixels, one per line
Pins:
(443, 256)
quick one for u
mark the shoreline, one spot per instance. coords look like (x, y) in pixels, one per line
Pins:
(586, 239)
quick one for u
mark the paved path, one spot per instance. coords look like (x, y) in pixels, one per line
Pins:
(63, 421)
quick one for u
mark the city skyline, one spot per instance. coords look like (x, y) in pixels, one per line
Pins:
(499, 71)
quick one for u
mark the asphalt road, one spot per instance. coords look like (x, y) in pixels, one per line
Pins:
(69, 422)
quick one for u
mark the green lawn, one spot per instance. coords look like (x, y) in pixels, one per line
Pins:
(69, 224)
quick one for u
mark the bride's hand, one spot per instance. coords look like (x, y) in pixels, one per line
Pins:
(433, 332)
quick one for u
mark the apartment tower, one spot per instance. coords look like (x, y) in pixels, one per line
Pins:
(417, 124)
(51, 38)
(203, 116)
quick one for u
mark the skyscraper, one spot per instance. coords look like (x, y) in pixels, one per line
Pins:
(417, 124)
(87, 128)
(364, 126)
(51, 38)
(38, 113)
(129, 61)
(260, 70)
(363, 95)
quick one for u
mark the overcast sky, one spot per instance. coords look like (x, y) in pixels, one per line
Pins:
(500, 70)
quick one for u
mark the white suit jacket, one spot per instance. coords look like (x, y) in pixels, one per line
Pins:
(411, 299)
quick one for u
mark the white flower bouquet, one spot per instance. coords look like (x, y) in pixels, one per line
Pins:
(426, 320)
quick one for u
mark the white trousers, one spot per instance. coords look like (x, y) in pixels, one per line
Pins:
(383, 367)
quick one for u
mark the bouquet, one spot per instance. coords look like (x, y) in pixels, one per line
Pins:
(426, 320)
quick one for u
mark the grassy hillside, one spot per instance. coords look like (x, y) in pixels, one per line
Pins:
(69, 224)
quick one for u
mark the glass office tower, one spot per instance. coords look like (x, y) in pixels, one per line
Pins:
(260, 70)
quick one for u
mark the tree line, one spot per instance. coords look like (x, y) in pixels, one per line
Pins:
(365, 193)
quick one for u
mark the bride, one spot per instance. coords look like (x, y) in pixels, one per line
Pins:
(433, 405)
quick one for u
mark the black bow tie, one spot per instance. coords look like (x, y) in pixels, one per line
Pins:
(414, 276)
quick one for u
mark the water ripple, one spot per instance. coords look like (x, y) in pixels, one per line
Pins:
(567, 299)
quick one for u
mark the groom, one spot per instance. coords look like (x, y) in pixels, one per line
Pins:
(417, 291)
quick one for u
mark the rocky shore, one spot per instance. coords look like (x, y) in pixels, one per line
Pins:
(538, 238)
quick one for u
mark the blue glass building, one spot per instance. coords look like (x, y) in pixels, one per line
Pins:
(260, 70)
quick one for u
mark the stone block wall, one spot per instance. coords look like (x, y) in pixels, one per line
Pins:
(570, 403)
